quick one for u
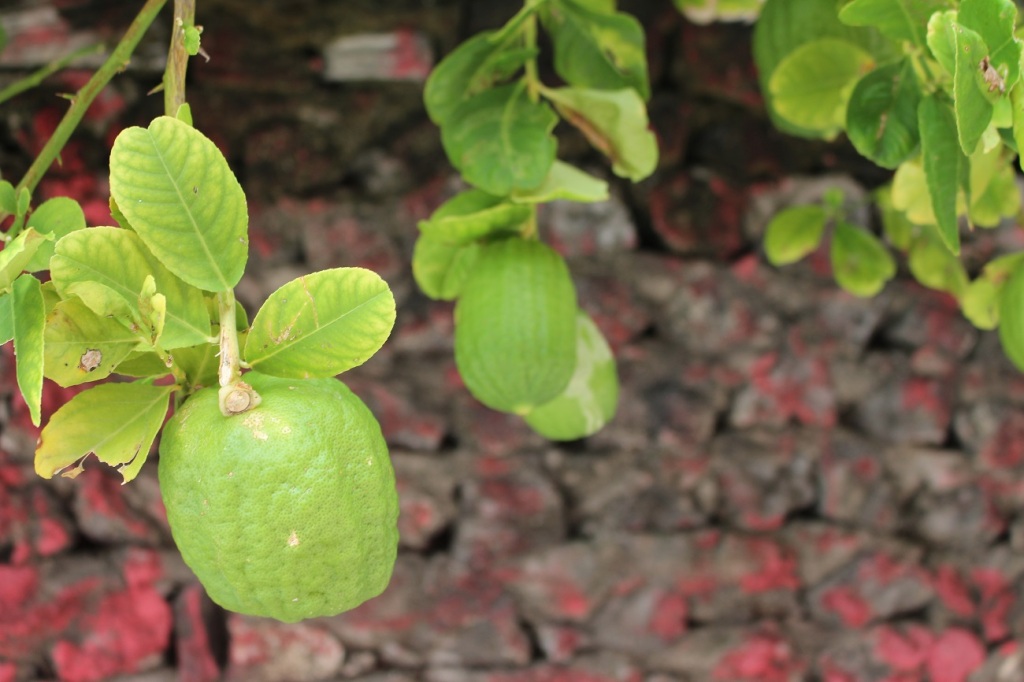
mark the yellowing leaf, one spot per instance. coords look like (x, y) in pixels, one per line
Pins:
(115, 422)
(812, 84)
(15, 257)
(28, 313)
(321, 324)
(793, 233)
(81, 346)
(175, 188)
(615, 123)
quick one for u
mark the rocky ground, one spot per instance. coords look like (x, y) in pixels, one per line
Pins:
(799, 484)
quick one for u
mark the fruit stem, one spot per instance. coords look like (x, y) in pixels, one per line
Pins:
(236, 396)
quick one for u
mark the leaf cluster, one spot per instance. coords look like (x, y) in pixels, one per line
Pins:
(931, 89)
(142, 302)
(497, 121)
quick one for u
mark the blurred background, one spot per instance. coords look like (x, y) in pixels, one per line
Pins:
(798, 485)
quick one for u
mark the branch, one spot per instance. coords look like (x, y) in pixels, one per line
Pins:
(36, 77)
(115, 63)
(177, 57)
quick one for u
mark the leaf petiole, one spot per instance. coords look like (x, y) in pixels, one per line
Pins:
(236, 396)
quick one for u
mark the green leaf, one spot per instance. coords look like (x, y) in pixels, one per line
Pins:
(473, 215)
(321, 325)
(177, 191)
(184, 114)
(599, 6)
(812, 84)
(973, 109)
(6, 317)
(118, 217)
(192, 40)
(897, 19)
(597, 49)
(910, 193)
(1011, 317)
(29, 317)
(24, 199)
(860, 262)
(590, 399)
(785, 25)
(16, 256)
(1002, 117)
(793, 233)
(881, 118)
(8, 204)
(445, 250)
(895, 225)
(994, 21)
(1017, 102)
(564, 182)
(615, 123)
(441, 268)
(80, 346)
(119, 262)
(115, 422)
(474, 66)
(941, 40)
(143, 364)
(501, 140)
(932, 265)
(980, 303)
(50, 296)
(945, 165)
(53, 218)
(200, 364)
(996, 196)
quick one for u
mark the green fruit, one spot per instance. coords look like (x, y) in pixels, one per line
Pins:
(288, 510)
(590, 399)
(515, 326)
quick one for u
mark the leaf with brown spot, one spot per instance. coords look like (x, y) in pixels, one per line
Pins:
(615, 123)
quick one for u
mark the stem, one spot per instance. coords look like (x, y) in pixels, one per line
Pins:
(230, 367)
(177, 57)
(116, 62)
(529, 229)
(236, 396)
(533, 83)
(528, 11)
(36, 77)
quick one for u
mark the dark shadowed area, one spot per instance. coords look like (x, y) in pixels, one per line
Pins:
(798, 485)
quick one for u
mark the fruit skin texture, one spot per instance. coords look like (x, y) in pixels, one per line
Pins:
(288, 510)
(515, 326)
(590, 399)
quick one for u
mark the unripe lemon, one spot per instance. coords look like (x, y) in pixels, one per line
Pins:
(515, 326)
(288, 510)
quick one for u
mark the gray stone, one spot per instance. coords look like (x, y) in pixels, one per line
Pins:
(401, 55)
(763, 476)
(264, 650)
(578, 229)
(426, 489)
